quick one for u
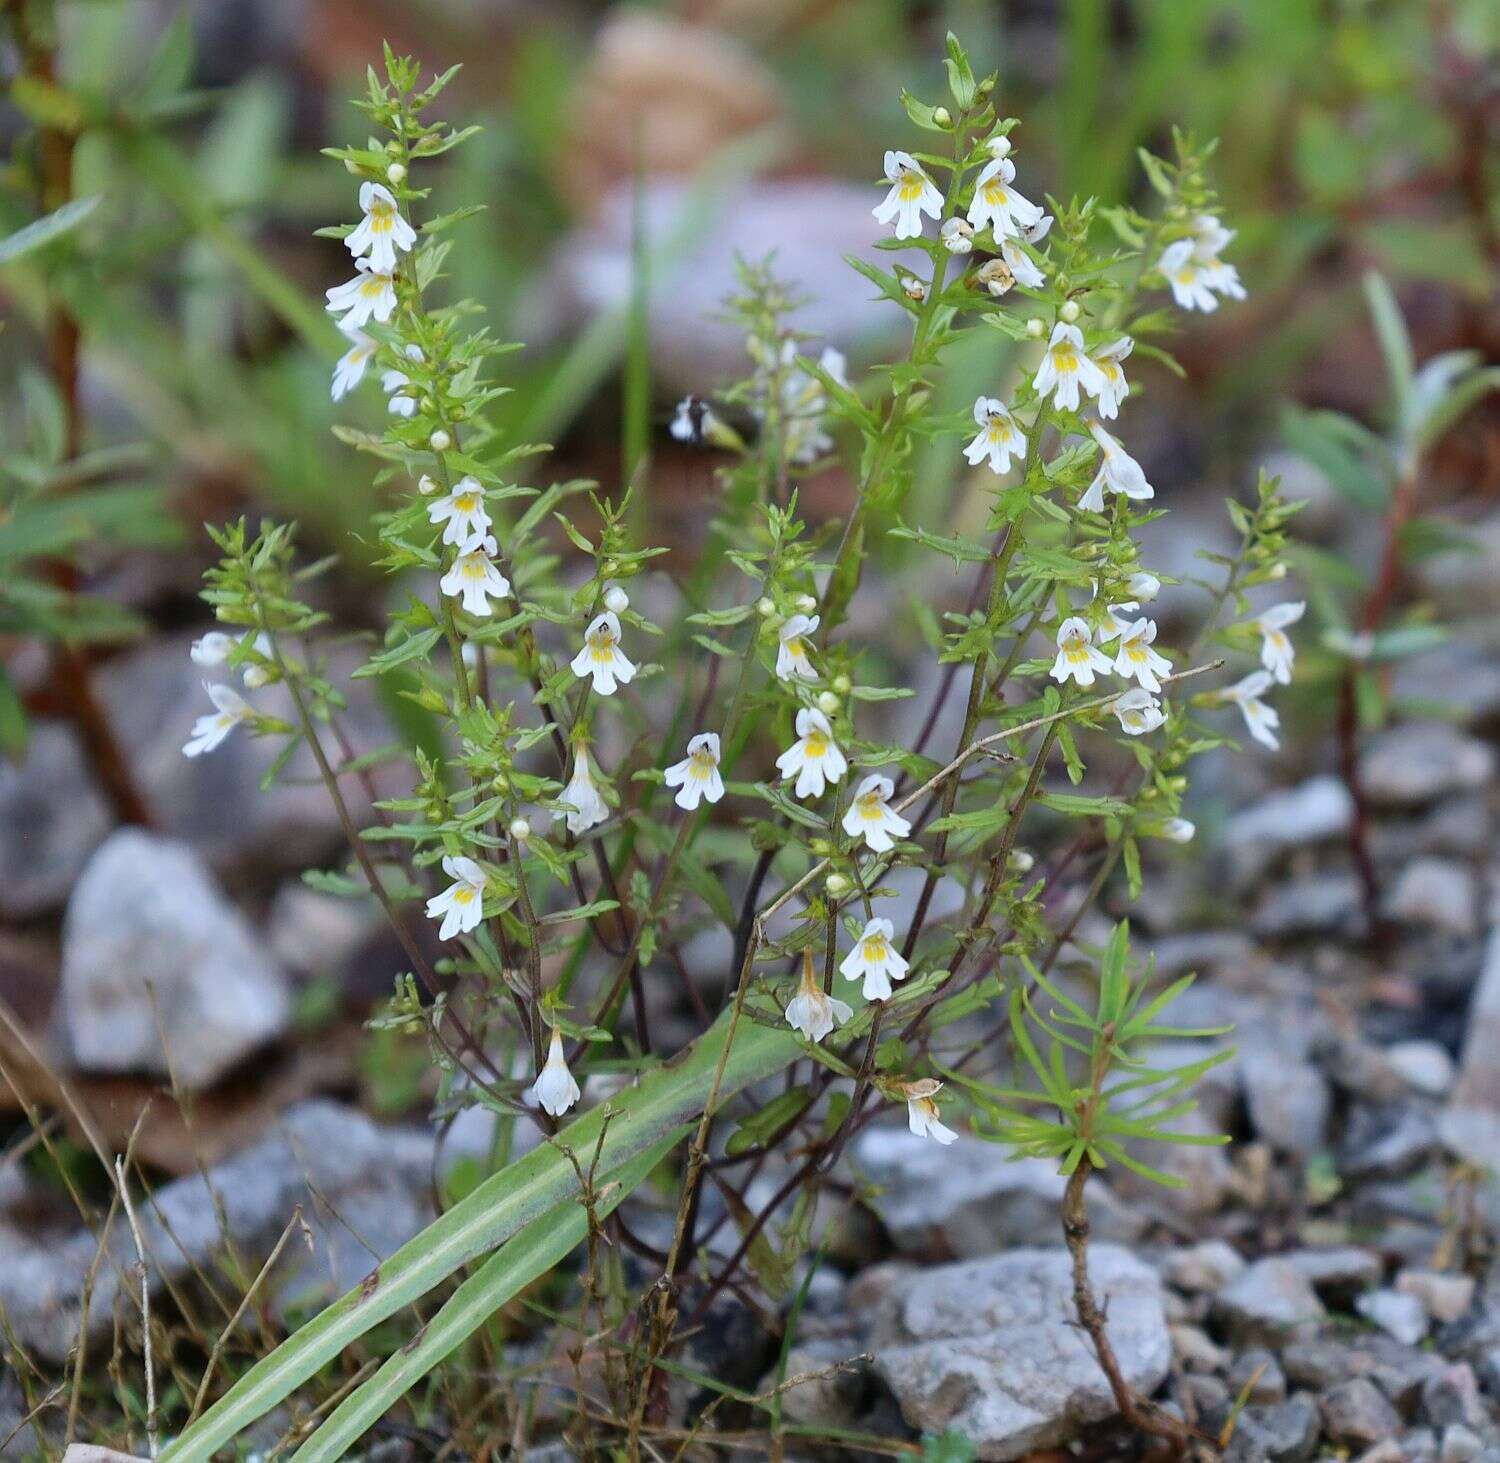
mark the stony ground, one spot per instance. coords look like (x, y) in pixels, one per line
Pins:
(1333, 1270)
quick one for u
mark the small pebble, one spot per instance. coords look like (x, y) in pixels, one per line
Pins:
(1443, 1297)
(1398, 1315)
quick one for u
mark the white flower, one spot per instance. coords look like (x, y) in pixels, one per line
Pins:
(601, 656)
(1276, 652)
(998, 438)
(1118, 471)
(1023, 268)
(210, 730)
(370, 295)
(1195, 272)
(1139, 712)
(875, 960)
(1065, 367)
(871, 816)
(912, 194)
(349, 369)
(1039, 230)
(1260, 718)
(997, 205)
(803, 402)
(586, 805)
(461, 904)
(1116, 387)
(258, 673)
(998, 146)
(696, 777)
(554, 1090)
(812, 1011)
(212, 649)
(216, 647)
(462, 513)
(1175, 830)
(392, 382)
(814, 759)
(1144, 586)
(957, 236)
(792, 663)
(475, 579)
(922, 1115)
(1137, 659)
(382, 230)
(1078, 658)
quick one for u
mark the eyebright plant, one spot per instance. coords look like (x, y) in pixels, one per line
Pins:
(600, 786)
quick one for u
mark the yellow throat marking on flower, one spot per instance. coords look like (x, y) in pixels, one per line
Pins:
(1065, 359)
(466, 502)
(876, 949)
(911, 185)
(463, 894)
(995, 195)
(602, 648)
(374, 284)
(814, 744)
(999, 429)
(1076, 648)
(871, 807)
(703, 765)
(474, 566)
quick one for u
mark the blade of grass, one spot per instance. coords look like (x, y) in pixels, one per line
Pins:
(497, 1209)
(520, 1261)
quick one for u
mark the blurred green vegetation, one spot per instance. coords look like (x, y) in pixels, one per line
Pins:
(1351, 134)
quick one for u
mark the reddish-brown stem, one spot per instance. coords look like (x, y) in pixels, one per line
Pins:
(72, 681)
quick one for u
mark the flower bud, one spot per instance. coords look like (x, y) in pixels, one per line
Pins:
(828, 703)
(350, 166)
(915, 289)
(616, 601)
(1070, 311)
(765, 607)
(837, 885)
(520, 829)
(842, 684)
(440, 441)
(998, 147)
(807, 603)
(1034, 328)
(1021, 862)
(942, 116)
(1276, 571)
(426, 486)
(396, 173)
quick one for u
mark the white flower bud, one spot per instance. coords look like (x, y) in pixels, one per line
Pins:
(942, 116)
(842, 684)
(1070, 311)
(440, 441)
(396, 173)
(998, 147)
(837, 885)
(616, 601)
(807, 603)
(1021, 861)
(1035, 328)
(520, 829)
(1276, 571)
(765, 607)
(915, 289)
(426, 486)
(350, 166)
(828, 703)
